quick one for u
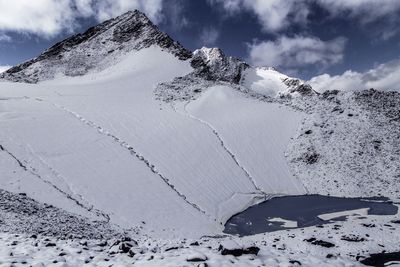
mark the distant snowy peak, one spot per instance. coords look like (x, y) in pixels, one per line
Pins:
(212, 67)
(270, 82)
(96, 48)
(213, 64)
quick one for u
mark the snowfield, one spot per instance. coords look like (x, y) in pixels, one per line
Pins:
(249, 127)
(107, 147)
(102, 146)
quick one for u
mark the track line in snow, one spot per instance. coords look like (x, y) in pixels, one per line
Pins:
(227, 150)
(131, 150)
(267, 99)
(60, 177)
(32, 171)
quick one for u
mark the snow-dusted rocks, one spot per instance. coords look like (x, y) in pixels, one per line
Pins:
(210, 67)
(213, 64)
(348, 145)
(20, 214)
(231, 247)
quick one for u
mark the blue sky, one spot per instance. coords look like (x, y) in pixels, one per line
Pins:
(305, 38)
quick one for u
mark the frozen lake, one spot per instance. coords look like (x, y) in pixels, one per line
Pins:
(303, 211)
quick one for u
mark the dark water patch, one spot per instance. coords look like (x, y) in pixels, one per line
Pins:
(302, 211)
(380, 259)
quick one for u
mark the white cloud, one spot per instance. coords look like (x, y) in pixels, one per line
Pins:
(276, 15)
(49, 17)
(84, 7)
(44, 17)
(208, 36)
(110, 8)
(379, 18)
(272, 14)
(231, 6)
(383, 77)
(174, 14)
(4, 38)
(297, 52)
(366, 10)
(4, 68)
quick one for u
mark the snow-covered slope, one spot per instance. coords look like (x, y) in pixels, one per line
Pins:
(104, 141)
(248, 127)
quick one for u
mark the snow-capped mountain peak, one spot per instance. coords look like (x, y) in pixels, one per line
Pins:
(210, 55)
(97, 48)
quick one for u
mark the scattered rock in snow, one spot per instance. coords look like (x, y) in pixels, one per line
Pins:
(196, 257)
(233, 248)
(353, 238)
(322, 243)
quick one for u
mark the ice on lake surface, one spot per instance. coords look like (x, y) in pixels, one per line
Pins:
(303, 211)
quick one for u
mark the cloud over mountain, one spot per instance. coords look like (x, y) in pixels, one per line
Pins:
(49, 17)
(297, 52)
(384, 77)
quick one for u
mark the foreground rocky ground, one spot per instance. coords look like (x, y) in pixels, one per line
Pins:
(21, 214)
(35, 234)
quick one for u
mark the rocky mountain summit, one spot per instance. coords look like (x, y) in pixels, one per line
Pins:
(213, 64)
(96, 49)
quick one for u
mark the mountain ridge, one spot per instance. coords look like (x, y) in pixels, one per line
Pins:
(107, 43)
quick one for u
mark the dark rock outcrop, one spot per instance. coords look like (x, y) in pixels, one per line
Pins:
(213, 64)
(321, 243)
(239, 251)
